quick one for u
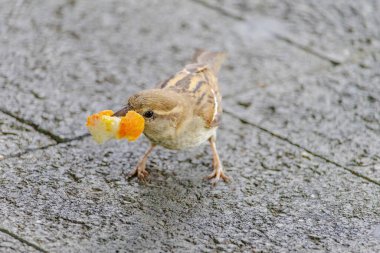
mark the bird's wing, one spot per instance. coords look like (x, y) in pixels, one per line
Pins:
(201, 85)
(199, 81)
(208, 101)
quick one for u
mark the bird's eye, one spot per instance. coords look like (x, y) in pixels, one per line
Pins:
(148, 114)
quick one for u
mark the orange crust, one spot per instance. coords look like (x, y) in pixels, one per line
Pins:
(131, 126)
(97, 116)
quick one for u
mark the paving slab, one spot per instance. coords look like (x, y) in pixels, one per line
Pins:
(63, 60)
(333, 113)
(16, 137)
(337, 30)
(77, 200)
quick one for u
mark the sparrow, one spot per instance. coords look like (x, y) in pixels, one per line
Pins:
(183, 111)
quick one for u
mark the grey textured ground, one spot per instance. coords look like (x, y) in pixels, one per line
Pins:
(300, 135)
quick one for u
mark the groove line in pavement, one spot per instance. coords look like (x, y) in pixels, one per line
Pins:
(328, 160)
(278, 36)
(22, 240)
(33, 125)
(67, 140)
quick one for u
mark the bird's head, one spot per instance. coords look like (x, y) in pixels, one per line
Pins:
(163, 111)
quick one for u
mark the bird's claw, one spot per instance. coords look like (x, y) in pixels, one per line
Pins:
(216, 175)
(140, 173)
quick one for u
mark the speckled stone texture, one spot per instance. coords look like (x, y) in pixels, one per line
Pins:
(300, 133)
(17, 137)
(338, 31)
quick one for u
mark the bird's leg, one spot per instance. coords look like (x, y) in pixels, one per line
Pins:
(216, 164)
(140, 170)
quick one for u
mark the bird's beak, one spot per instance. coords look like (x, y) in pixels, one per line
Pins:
(122, 112)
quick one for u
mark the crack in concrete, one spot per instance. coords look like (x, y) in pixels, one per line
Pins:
(278, 36)
(67, 140)
(328, 160)
(307, 49)
(22, 240)
(33, 125)
(219, 9)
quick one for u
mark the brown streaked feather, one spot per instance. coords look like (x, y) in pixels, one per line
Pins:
(198, 80)
(199, 85)
(173, 79)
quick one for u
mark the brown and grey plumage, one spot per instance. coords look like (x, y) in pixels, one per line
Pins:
(183, 111)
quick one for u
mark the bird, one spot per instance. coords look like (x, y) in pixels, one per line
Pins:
(183, 111)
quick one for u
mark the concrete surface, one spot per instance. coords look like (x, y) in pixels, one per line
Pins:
(335, 113)
(337, 31)
(17, 137)
(300, 135)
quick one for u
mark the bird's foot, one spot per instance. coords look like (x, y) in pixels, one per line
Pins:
(140, 172)
(218, 174)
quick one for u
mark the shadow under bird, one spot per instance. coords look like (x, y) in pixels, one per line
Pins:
(183, 111)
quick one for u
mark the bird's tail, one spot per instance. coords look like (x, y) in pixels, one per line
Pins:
(213, 59)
